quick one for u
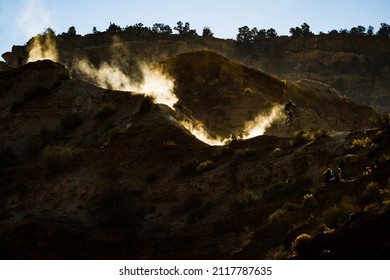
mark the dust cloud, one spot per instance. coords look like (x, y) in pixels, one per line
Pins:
(251, 129)
(43, 47)
(202, 133)
(155, 84)
(260, 124)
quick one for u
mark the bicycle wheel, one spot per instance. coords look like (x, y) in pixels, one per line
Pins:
(288, 121)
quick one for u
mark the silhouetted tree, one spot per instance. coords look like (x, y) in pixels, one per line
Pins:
(343, 31)
(184, 30)
(370, 31)
(244, 35)
(358, 31)
(306, 30)
(207, 32)
(384, 30)
(295, 31)
(333, 32)
(261, 34)
(113, 27)
(49, 31)
(270, 33)
(72, 31)
(161, 28)
(302, 31)
(139, 29)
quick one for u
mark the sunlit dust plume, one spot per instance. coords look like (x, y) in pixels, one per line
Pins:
(155, 84)
(43, 47)
(106, 76)
(259, 125)
(201, 133)
(158, 86)
(256, 127)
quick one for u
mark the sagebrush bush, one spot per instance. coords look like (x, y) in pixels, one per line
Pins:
(278, 217)
(338, 214)
(302, 138)
(243, 200)
(221, 151)
(59, 157)
(277, 151)
(104, 111)
(187, 169)
(205, 166)
(301, 245)
(248, 90)
(361, 143)
(351, 158)
(371, 194)
(320, 134)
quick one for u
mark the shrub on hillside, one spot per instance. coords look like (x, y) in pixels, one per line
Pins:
(288, 189)
(248, 91)
(243, 200)
(277, 152)
(221, 151)
(59, 157)
(320, 134)
(351, 158)
(338, 214)
(301, 245)
(371, 194)
(302, 138)
(187, 169)
(205, 166)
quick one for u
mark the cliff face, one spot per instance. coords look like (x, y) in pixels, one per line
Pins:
(92, 173)
(357, 66)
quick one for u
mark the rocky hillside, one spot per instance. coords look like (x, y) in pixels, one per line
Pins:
(355, 65)
(94, 173)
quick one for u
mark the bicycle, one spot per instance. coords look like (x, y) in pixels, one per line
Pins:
(293, 118)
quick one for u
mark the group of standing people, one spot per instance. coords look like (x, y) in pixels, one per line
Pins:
(333, 177)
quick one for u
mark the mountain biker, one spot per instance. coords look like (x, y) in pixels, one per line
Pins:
(289, 108)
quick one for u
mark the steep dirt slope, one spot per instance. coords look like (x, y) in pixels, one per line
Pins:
(91, 173)
(225, 95)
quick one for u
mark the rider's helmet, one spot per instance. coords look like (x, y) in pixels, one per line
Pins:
(290, 102)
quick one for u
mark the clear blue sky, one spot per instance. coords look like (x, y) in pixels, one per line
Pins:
(22, 19)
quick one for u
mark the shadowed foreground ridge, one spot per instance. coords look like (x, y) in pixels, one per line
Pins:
(94, 173)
